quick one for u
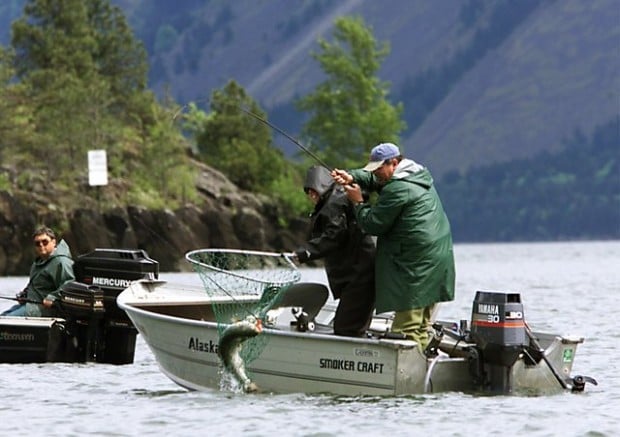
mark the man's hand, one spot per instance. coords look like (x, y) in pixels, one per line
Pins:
(354, 193)
(48, 303)
(341, 177)
(302, 255)
(21, 296)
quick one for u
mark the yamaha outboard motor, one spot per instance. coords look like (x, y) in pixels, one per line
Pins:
(498, 329)
(101, 331)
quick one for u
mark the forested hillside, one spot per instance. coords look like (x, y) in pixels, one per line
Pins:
(481, 81)
(513, 105)
(554, 196)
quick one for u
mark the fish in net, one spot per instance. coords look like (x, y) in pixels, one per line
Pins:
(242, 285)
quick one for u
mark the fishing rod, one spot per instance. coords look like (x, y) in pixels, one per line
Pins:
(21, 300)
(296, 142)
(187, 105)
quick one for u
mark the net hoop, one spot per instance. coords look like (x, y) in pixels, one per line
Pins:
(292, 273)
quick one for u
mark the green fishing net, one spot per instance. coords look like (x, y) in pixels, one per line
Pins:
(243, 283)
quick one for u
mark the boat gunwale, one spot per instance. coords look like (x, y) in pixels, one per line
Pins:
(393, 343)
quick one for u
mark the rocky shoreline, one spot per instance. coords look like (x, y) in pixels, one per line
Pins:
(225, 217)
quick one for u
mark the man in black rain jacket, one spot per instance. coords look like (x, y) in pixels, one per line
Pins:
(348, 252)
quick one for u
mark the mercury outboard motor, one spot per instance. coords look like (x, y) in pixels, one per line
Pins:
(100, 330)
(498, 329)
(82, 307)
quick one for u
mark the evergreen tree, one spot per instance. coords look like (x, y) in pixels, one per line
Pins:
(238, 144)
(16, 127)
(350, 112)
(85, 78)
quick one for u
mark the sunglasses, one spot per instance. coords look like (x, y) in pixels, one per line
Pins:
(43, 243)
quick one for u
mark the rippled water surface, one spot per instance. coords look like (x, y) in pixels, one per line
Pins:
(568, 288)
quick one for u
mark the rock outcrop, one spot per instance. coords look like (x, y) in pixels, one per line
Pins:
(225, 217)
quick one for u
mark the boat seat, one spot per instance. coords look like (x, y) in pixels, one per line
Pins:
(307, 295)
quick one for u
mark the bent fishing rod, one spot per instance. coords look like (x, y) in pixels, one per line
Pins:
(290, 137)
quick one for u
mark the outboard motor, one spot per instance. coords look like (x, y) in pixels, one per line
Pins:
(82, 307)
(101, 330)
(498, 329)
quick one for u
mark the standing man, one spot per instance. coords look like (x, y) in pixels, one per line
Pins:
(349, 253)
(415, 261)
(52, 268)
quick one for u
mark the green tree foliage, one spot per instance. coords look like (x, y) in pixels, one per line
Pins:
(550, 197)
(237, 144)
(168, 175)
(16, 127)
(240, 146)
(82, 76)
(350, 111)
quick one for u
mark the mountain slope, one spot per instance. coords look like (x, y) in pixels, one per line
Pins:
(559, 72)
(556, 71)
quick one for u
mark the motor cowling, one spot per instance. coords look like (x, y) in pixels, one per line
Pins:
(81, 301)
(113, 270)
(103, 331)
(498, 327)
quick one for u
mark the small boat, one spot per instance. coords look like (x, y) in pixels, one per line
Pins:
(90, 326)
(495, 352)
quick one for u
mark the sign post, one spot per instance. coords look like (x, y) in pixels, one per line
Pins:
(97, 170)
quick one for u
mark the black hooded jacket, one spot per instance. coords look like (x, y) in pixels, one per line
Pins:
(348, 253)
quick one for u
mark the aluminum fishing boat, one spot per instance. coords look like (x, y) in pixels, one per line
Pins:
(494, 352)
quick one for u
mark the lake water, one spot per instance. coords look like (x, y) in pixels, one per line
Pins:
(567, 288)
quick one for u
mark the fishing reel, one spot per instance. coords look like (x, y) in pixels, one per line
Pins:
(302, 322)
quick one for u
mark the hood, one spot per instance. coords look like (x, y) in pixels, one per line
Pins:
(319, 179)
(62, 249)
(411, 171)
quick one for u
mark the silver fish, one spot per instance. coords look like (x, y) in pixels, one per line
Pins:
(229, 349)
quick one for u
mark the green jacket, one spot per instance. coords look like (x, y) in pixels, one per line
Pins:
(415, 262)
(47, 277)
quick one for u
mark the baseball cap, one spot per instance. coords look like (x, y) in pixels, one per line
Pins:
(379, 154)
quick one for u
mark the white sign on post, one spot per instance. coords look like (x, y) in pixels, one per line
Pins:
(97, 167)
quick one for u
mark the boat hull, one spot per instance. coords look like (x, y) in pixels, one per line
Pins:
(178, 326)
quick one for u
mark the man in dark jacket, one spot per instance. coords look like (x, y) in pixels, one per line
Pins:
(415, 261)
(348, 252)
(52, 268)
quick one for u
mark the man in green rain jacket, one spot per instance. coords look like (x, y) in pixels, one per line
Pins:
(415, 261)
(52, 268)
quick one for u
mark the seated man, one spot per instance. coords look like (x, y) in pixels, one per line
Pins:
(52, 268)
